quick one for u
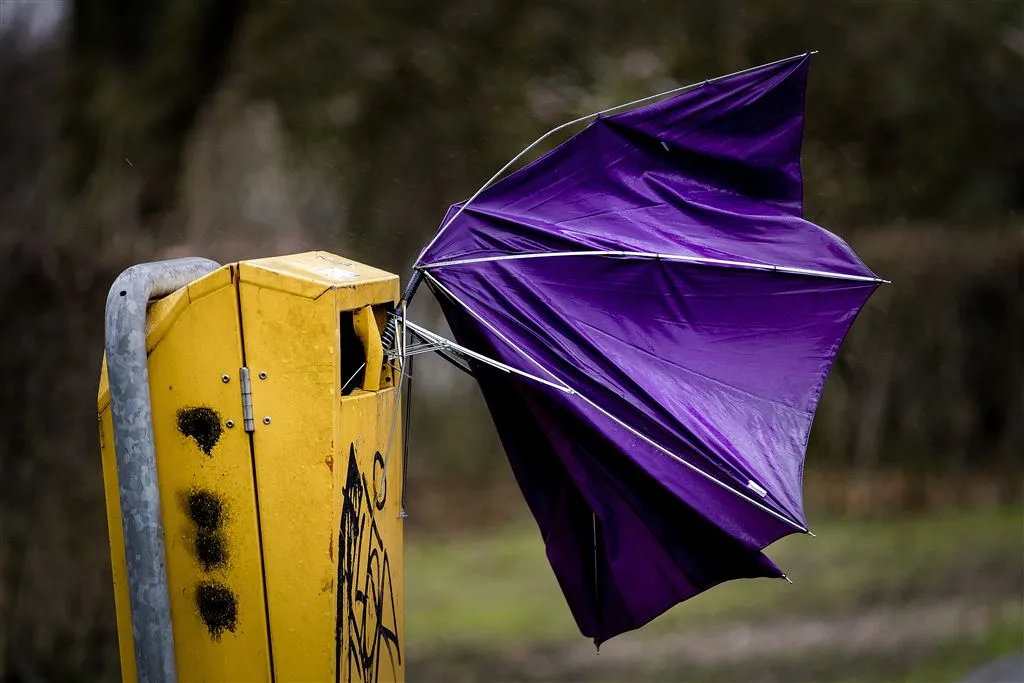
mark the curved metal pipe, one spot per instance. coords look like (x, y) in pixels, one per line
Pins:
(131, 412)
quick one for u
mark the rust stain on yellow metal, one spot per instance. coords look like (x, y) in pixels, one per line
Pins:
(299, 527)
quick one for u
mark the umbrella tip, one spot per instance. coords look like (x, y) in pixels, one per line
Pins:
(788, 580)
(811, 534)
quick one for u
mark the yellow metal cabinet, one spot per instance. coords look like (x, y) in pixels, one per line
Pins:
(284, 543)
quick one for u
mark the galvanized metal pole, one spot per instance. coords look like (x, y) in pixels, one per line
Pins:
(128, 376)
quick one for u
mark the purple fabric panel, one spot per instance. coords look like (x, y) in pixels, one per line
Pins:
(721, 367)
(652, 549)
(748, 524)
(615, 186)
(742, 134)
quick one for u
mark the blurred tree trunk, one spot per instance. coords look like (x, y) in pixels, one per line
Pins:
(138, 74)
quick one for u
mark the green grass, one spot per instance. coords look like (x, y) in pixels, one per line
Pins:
(496, 588)
(952, 661)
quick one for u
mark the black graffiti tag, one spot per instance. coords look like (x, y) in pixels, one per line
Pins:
(367, 621)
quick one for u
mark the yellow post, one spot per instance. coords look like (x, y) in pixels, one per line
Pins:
(284, 543)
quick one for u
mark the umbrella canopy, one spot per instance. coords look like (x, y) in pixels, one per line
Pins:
(663, 319)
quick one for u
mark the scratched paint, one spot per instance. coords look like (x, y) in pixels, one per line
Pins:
(367, 618)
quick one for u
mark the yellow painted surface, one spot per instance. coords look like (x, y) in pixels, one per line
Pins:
(311, 524)
(302, 457)
(314, 273)
(365, 325)
(185, 373)
(211, 534)
(164, 313)
(370, 546)
(294, 340)
(212, 283)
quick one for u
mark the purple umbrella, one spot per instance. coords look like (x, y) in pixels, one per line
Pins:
(651, 321)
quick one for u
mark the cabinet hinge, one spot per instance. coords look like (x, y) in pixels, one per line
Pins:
(243, 374)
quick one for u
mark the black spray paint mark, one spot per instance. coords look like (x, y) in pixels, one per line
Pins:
(201, 424)
(367, 621)
(206, 510)
(218, 608)
(211, 551)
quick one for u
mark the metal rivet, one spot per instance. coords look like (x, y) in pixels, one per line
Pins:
(266, 420)
(230, 423)
(263, 375)
(225, 378)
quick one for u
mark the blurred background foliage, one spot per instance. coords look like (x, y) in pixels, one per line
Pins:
(240, 128)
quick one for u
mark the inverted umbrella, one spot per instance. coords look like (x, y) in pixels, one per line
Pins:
(651, 321)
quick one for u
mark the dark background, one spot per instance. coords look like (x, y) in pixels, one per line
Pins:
(131, 131)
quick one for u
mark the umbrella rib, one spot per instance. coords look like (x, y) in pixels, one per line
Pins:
(449, 345)
(494, 330)
(696, 260)
(569, 389)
